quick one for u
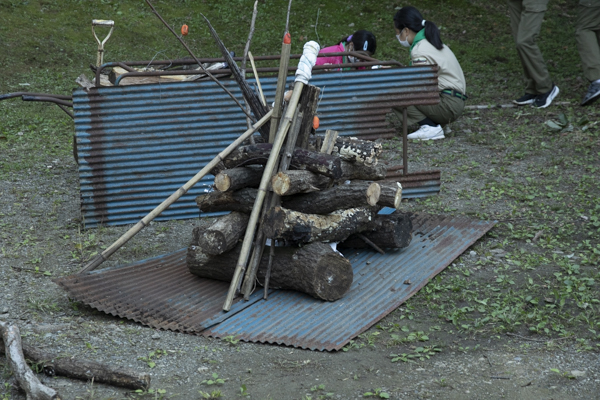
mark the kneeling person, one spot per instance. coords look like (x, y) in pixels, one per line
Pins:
(426, 48)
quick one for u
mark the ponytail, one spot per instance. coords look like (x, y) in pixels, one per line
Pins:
(409, 17)
(432, 34)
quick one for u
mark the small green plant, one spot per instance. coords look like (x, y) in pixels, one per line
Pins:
(214, 381)
(377, 393)
(353, 345)
(215, 394)
(243, 391)
(232, 340)
(152, 356)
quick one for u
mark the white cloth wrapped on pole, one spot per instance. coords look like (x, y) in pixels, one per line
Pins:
(307, 62)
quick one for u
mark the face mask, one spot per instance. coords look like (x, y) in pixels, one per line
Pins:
(402, 42)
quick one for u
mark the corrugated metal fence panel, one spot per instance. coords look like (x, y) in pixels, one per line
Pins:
(138, 144)
(159, 292)
(295, 319)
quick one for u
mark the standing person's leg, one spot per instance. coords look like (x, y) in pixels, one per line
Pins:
(515, 8)
(588, 44)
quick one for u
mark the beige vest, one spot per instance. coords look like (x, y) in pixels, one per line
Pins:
(450, 75)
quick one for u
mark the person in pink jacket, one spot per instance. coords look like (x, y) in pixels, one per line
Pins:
(359, 41)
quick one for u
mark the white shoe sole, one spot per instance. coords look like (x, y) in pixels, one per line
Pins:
(437, 137)
(551, 97)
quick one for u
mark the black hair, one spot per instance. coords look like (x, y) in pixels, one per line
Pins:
(409, 17)
(359, 38)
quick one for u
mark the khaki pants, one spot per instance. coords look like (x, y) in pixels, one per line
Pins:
(588, 41)
(525, 22)
(447, 110)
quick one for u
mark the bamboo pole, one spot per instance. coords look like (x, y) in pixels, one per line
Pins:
(286, 47)
(271, 202)
(262, 191)
(100, 258)
(262, 95)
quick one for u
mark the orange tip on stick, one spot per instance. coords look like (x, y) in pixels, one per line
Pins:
(287, 39)
(316, 122)
(184, 30)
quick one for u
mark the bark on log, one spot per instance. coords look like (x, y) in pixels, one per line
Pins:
(299, 181)
(354, 194)
(393, 231)
(258, 154)
(315, 269)
(16, 360)
(296, 227)
(53, 364)
(240, 200)
(351, 171)
(353, 149)
(238, 178)
(223, 235)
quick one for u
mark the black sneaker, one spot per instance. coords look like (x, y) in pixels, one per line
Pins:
(527, 98)
(544, 100)
(592, 94)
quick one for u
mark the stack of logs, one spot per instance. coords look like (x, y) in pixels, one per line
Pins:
(329, 191)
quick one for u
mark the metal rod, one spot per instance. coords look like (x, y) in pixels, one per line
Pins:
(404, 141)
(19, 94)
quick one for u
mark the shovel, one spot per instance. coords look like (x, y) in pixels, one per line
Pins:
(102, 22)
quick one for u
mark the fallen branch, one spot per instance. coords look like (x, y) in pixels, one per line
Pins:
(85, 370)
(16, 360)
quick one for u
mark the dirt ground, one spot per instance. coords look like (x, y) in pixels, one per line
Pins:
(446, 358)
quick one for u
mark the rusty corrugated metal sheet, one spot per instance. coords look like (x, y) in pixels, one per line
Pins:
(294, 319)
(415, 184)
(138, 144)
(159, 292)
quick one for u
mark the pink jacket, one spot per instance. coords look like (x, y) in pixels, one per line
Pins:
(338, 48)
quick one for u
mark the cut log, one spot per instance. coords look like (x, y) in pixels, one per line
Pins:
(223, 235)
(295, 227)
(393, 231)
(354, 194)
(391, 194)
(238, 178)
(16, 360)
(352, 149)
(351, 171)
(315, 269)
(240, 200)
(258, 154)
(299, 181)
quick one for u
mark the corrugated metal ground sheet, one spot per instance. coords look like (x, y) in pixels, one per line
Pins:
(379, 287)
(138, 144)
(162, 293)
(159, 292)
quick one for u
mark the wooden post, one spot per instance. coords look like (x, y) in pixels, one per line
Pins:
(329, 141)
